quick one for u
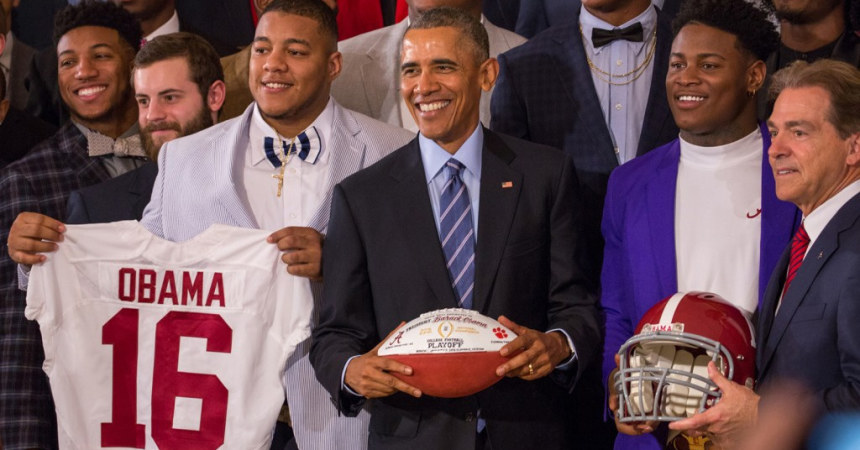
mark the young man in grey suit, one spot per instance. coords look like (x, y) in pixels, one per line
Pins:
(517, 244)
(807, 325)
(274, 168)
(371, 65)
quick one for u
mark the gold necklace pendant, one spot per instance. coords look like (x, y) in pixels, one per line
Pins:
(284, 157)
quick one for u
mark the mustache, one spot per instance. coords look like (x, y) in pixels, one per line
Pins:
(162, 126)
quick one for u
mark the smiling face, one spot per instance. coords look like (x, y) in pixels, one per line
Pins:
(810, 161)
(169, 103)
(94, 65)
(441, 81)
(292, 68)
(708, 85)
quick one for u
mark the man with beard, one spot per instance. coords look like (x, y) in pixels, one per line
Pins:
(179, 86)
(810, 30)
(96, 43)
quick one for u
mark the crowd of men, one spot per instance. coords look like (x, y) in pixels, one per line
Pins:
(564, 184)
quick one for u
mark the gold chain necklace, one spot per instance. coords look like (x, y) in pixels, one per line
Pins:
(284, 157)
(607, 77)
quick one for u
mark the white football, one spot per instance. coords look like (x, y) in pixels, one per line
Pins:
(453, 352)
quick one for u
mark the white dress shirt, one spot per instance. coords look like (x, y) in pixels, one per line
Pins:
(623, 106)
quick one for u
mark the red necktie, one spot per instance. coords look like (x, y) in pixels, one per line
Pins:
(799, 244)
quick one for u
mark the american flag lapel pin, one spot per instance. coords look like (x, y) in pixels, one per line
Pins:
(507, 184)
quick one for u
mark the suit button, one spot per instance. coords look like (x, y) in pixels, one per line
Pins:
(470, 417)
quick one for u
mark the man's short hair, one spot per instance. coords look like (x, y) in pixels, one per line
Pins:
(841, 81)
(203, 62)
(92, 13)
(315, 10)
(755, 33)
(470, 27)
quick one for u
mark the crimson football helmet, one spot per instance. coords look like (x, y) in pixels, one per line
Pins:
(663, 368)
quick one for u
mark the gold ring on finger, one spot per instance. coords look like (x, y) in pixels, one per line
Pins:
(531, 369)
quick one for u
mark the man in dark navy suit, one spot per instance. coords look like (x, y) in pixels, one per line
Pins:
(396, 249)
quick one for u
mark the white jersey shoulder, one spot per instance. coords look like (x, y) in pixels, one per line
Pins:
(155, 344)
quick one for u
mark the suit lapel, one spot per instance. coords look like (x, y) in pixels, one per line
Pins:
(90, 170)
(496, 214)
(228, 161)
(412, 199)
(347, 155)
(579, 86)
(661, 218)
(380, 69)
(140, 188)
(657, 109)
(816, 257)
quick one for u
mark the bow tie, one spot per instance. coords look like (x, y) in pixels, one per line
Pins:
(101, 145)
(306, 144)
(601, 37)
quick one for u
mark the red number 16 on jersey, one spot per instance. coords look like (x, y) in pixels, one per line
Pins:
(168, 383)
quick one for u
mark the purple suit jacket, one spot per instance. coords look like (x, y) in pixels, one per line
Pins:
(639, 266)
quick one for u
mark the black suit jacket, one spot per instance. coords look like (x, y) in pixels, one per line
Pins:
(20, 132)
(545, 94)
(383, 264)
(120, 198)
(815, 337)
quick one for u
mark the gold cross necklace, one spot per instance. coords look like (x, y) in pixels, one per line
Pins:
(284, 156)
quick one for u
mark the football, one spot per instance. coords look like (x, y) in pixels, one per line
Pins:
(453, 352)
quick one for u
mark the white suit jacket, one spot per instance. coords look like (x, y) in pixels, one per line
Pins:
(197, 186)
(370, 79)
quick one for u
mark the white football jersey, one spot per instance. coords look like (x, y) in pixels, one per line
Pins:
(155, 344)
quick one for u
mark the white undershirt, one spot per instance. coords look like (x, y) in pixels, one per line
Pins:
(718, 219)
(304, 184)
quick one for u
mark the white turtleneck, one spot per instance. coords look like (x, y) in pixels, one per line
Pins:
(718, 219)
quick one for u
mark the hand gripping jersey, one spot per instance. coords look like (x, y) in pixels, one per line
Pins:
(154, 344)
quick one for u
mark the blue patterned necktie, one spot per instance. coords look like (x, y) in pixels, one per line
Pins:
(306, 145)
(457, 233)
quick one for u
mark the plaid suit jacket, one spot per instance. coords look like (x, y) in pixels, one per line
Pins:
(40, 182)
(545, 94)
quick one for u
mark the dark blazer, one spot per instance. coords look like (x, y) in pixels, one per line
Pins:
(19, 132)
(39, 182)
(639, 264)
(545, 94)
(384, 264)
(815, 338)
(22, 54)
(120, 198)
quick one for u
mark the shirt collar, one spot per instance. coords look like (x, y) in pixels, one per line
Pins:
(131, 131)
(434, 157)
(588, 22)
(260, 129)
(171, 26)
(6, 57)
(821, 216)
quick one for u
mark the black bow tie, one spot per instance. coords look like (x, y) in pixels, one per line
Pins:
(601, 37)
